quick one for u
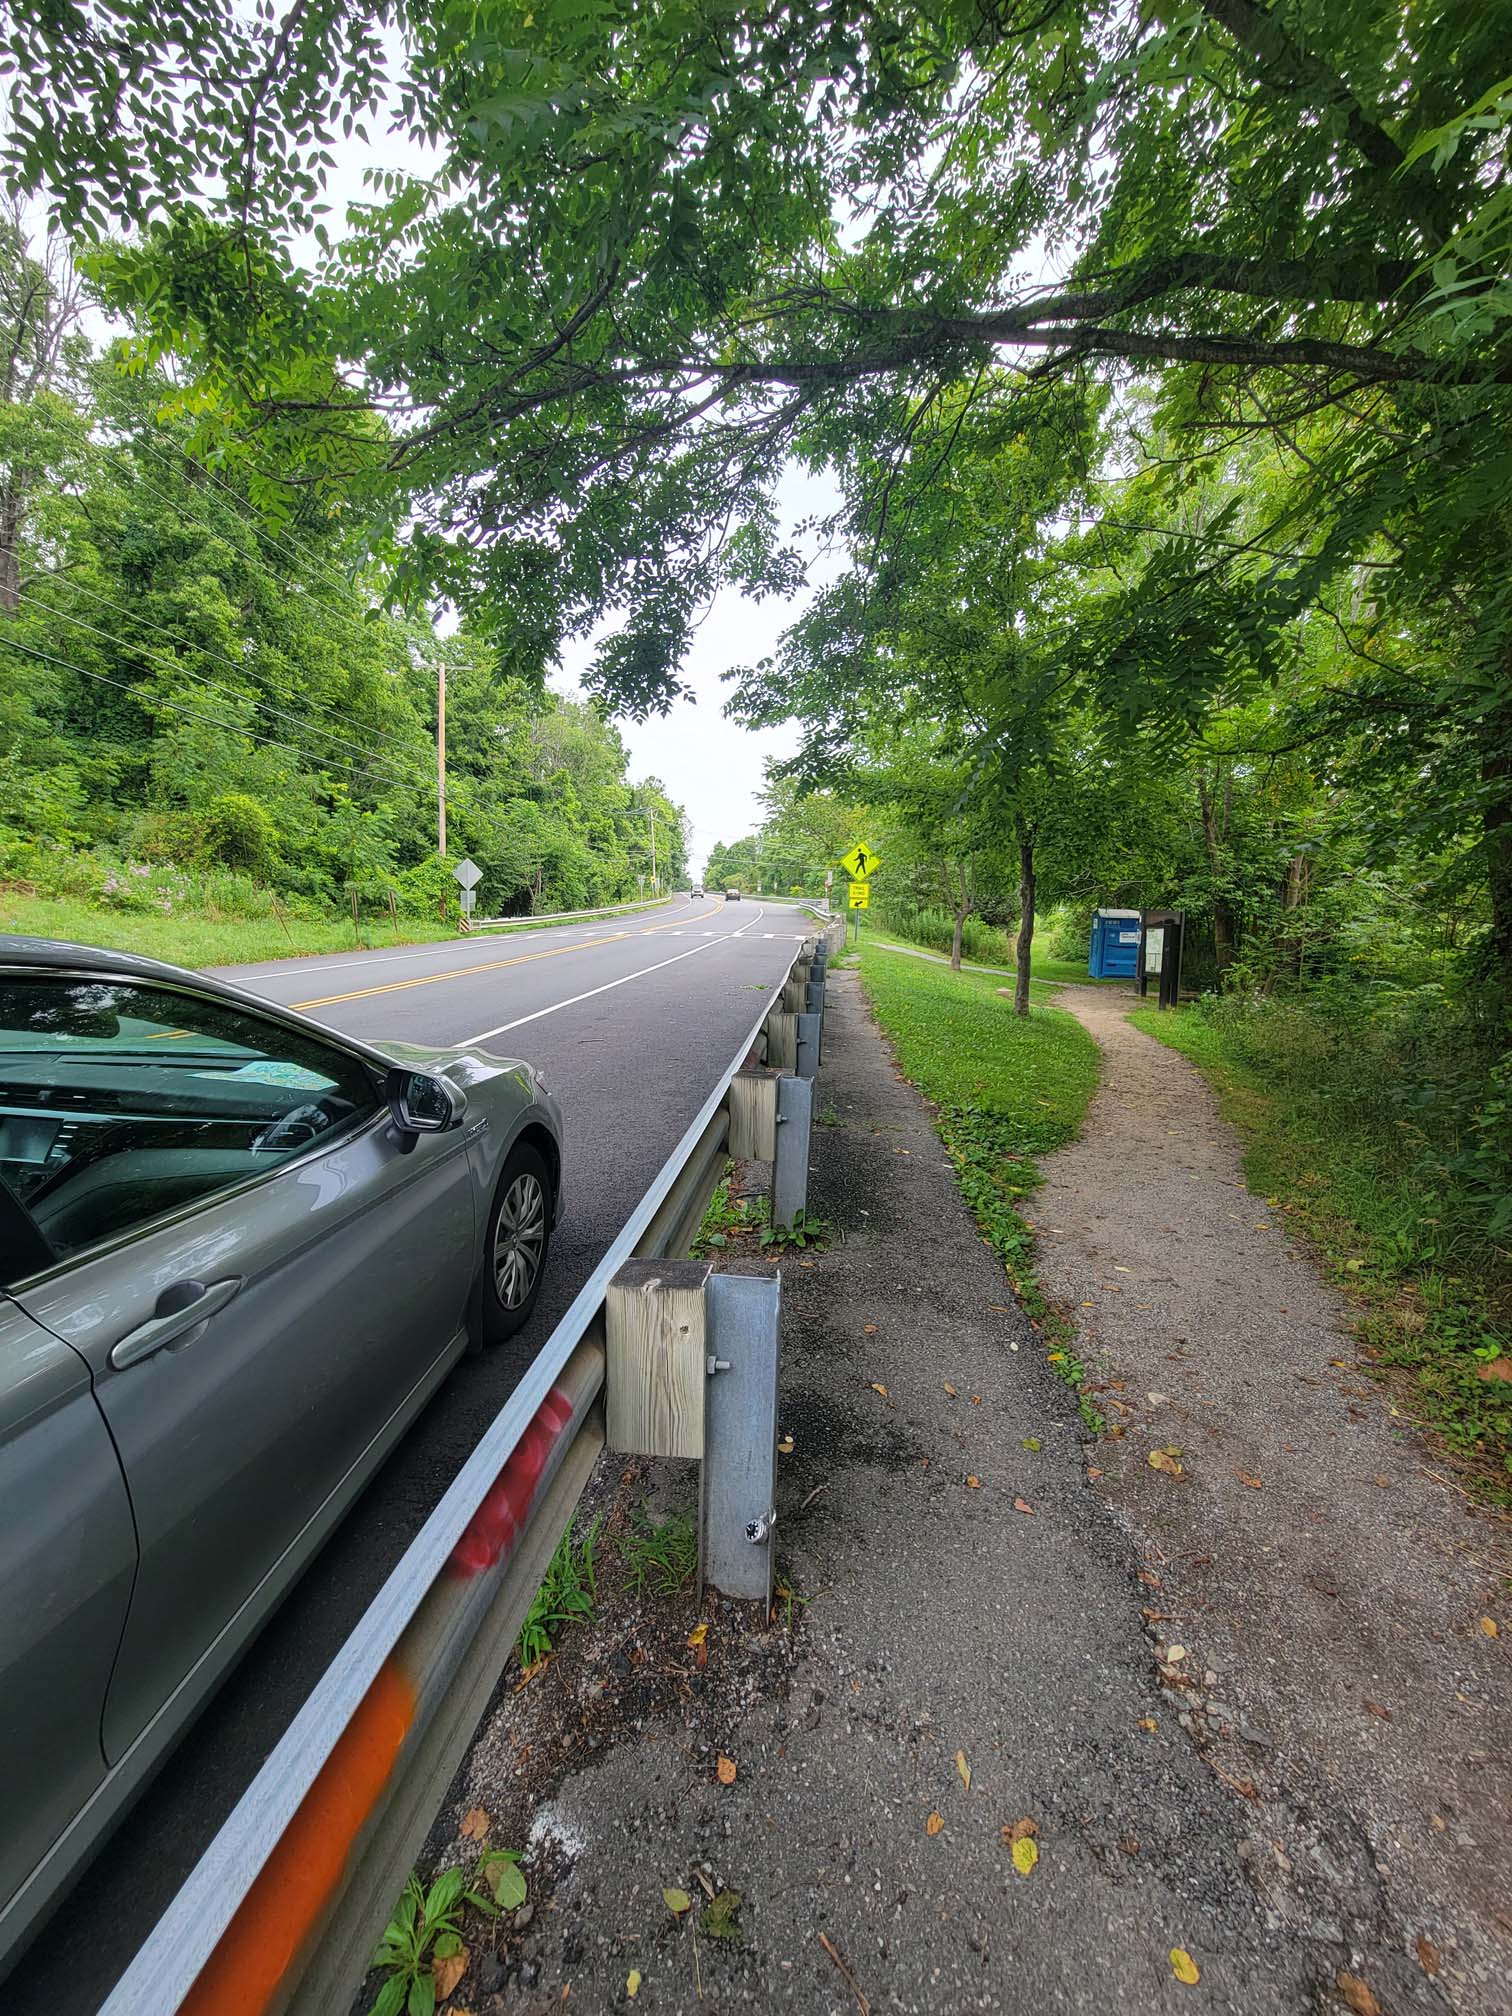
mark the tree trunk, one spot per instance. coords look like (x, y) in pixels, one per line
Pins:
(1026, 923)
(955, 939)
(1223, 916)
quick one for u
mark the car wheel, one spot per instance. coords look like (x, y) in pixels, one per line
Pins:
(517, 1240)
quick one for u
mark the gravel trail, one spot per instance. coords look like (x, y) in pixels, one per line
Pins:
(1325, 1574)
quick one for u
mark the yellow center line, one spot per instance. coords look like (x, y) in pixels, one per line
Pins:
(466, 972)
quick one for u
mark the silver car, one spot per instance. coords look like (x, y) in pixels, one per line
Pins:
(238, 1252)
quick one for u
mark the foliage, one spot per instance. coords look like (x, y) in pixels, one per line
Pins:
(805, 1231)
(728, 1216)
(1383, 1137)
(661, 1559)
(566, 1595)
(426, 1928)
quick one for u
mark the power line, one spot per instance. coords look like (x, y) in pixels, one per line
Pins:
(115, 455)
(232, 727)
(267, 706)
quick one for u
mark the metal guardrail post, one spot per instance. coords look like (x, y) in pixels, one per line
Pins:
(807, 1033)
(790, 1162)
(738, 1500)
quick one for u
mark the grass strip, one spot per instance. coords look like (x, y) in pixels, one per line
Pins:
(1005, 1090)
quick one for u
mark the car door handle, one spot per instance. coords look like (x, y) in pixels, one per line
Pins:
(182, 1307)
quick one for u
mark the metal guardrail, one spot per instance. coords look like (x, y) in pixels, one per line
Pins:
(281, 1912)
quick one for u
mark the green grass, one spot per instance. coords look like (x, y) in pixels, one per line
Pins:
(1438, 1310)
(1044, 967)
(566, 1595)
(728, 1216)
(661, 1559)
(231, 941)
(1005, 1090)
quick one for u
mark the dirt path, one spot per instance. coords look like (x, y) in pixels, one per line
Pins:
(1326, 1577)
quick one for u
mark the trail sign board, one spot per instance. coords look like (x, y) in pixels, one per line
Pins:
(860, 862)
(860, 896)
(468, 873)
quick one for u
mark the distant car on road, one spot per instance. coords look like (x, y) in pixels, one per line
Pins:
(696, 891)
(732, 895)
(238, 1252)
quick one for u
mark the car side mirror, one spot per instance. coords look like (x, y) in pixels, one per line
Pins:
(422, 1104)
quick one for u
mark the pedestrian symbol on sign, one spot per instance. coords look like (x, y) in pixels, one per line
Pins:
(861, 861)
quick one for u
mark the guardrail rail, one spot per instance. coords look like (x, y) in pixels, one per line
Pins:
(658, 1354)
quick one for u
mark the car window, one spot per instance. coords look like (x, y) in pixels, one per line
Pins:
(119, 1100)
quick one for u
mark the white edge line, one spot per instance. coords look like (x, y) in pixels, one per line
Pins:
(171, 1958)
(487, 1035)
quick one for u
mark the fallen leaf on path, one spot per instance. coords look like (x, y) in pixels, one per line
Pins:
(474, 1824)
(1384, 1482)
(785, 1446)
(1490, 1627)
(1356, 1994)
(1022, 1505)
(1184, 1967)
(1375, 1708)
(1162, 1459)
(1152, 1581)
(964, 1768)
(632, 1983)
(1254, 1483)
(1175, 1654)
(1123, 1270)
(805, 1263)
(1020, 1830)
(973, 1483)
(698, 1634)
(1428, 1955)
(1029, 1442)
(950, 1389)
(976, 1399)
(1148, 1724)
(933, 1824)
(448, 1972)
(868, 1329)
(725, 1770)
(878, 1387)
(1025, 1855)
(718, 1920)
(677, 1901)
(1496, 1368)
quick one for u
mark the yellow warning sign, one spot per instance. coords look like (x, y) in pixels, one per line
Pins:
(860, 896)
(859, 863)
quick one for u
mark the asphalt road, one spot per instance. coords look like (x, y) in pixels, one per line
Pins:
(631, 1023)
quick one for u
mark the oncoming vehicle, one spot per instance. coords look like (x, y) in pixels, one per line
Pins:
(732, 895)
(696, 890)
(238, 1252)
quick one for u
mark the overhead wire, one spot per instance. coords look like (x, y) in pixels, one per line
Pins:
(177, 707)
(306, 722)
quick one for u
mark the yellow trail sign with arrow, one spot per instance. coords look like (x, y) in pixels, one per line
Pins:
(860, 896)
(860, 862)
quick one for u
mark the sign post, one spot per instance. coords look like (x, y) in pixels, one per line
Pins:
(859, 864)
(469, 875)
(1160, 949)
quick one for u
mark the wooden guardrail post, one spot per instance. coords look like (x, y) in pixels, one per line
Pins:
(782, 1039)
(656, 1354)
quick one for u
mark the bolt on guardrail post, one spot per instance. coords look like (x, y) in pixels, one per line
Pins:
(807, 1033)
(738, 1503)
(790, 1156)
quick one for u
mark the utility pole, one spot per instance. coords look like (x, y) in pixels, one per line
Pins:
(441, 756)
(654, 883)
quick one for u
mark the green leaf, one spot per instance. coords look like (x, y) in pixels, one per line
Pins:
(422, 1995)
(677, 1901)
(390, 1997)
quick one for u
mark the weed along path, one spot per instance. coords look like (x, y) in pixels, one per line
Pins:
(1337, 1597)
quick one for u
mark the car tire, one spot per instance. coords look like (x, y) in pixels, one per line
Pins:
(516, 1246)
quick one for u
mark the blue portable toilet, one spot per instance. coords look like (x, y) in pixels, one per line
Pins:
(1115, 945)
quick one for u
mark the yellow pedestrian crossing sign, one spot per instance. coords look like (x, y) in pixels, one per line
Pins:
(860, 896)
(859, 863)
